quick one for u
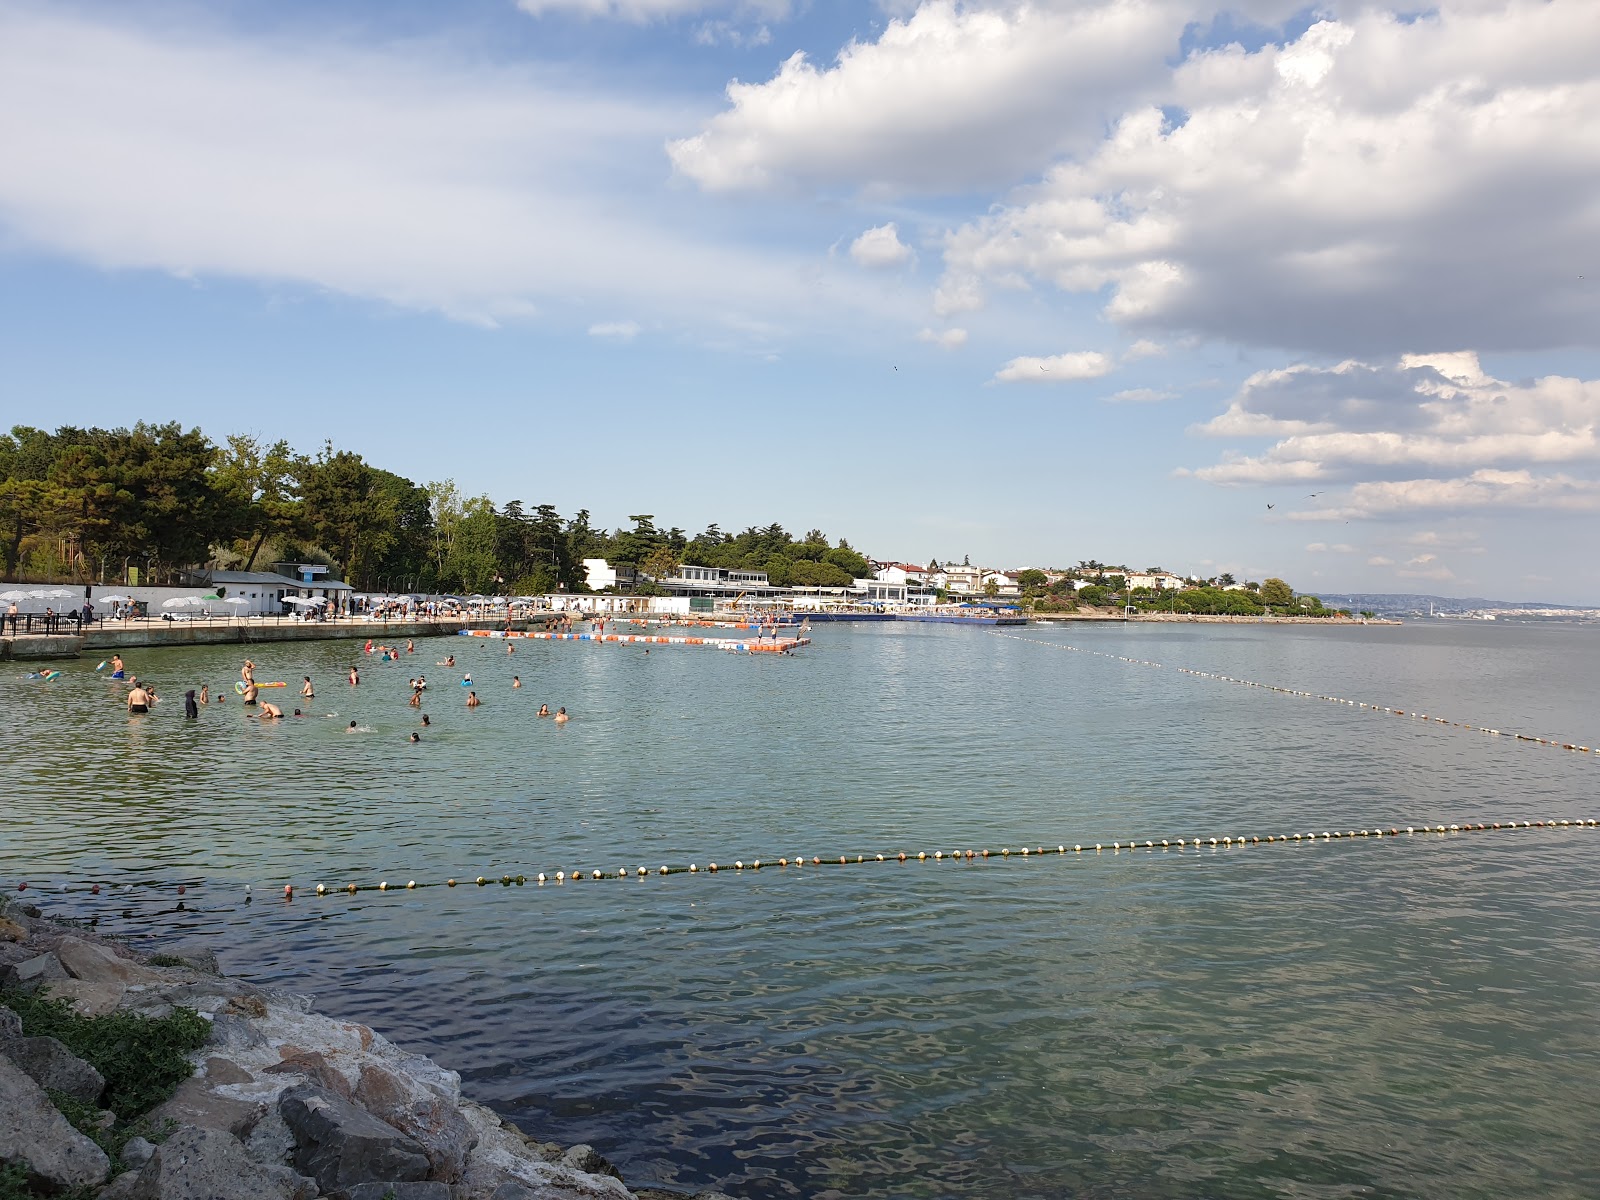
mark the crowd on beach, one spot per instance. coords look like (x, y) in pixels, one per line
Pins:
(141, 696)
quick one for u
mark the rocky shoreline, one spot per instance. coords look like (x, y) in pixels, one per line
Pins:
(283, 1103)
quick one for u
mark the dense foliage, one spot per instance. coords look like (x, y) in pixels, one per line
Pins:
(88, 504)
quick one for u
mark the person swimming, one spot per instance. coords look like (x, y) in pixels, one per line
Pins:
(351, 728)
(355, 677)
(411, 647)
(472, 700)
(138, 700)
(270, 711)
(516, 681)
(425, 722)
(561, 716)
(205, 693)
(116, 667)
(544, 710)
(416, 700)
(415, 737)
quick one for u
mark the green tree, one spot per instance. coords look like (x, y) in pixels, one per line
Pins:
(1032, 579)
(348, 512)
(660, 563)
(1275, 593)
(261, 486)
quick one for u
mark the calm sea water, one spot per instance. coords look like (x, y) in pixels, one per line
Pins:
(1405, 1018)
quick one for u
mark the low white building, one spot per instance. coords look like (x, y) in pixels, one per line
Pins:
(1156, 580)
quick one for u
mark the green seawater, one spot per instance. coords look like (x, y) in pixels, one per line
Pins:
(1410, 1017)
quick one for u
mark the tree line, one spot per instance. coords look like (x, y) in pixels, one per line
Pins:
(89, 504)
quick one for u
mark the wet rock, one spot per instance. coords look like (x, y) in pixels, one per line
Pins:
(195, 1104)
(429, 1189)
(316, 1069)
(136, 1152)
(502, 1165)
(342, 1145)
(10, 1024)
(206, 1164)
(55, 1068)
(590, 1161)
(90, 997)
(56, 1156)
(98, 964)
(436, 1125)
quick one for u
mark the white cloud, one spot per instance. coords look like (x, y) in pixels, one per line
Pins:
(1377, 184)
(622, 331)
(1378, 560)
(406, 176)
(718, 33)
(946, 339)
(1324, 548)
(1143, 348)
(1141, 396)
(881, 246)
(951, 96)
(1433, 413)
(1486, 490)
(1058, 368)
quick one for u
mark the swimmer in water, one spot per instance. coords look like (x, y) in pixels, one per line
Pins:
(449, 661)
(516, 681)
(467, 679)
(270, 711)
(191, 710)
(355, 677)
(561, 716)
(205, 693)
(116, 666)
(351, 728)
(248, 671)
(510, 649)
(305, 689)
(415, 737)
(472, 700)
(138, 700)
(544, 710)
(250, 692)
(298, 713)
(411, 647)
(416, 700)
(425, 722)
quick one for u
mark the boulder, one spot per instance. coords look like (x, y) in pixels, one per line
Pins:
(136, 1152)
(56, 1156)
(195, 954)
(91, 997)
(195, 1104)
(587, 1159)
(316, 1069)
(209, 996)
(503, 1165)
(98, 964)
(41, 968)
(10, 931)
(342, 1145)
(10, 1024)
(206, 1164)
(415, 1110)
(55, 1068)
(270, 1139)
(426, 1190)
(231, 1032)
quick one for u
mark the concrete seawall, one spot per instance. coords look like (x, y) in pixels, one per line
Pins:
(118, 636)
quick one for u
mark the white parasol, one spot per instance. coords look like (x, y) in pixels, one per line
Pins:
(182, 602)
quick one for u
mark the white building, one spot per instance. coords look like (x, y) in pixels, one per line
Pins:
(1155, 580)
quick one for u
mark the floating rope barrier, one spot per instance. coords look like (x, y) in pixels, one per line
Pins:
(1553, 743)
(801, 862)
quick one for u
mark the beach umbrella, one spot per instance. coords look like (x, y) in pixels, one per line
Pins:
(305, 601)
(13, 594)
(63, 593)
(107, 599)
(182, 602)
(236, 600)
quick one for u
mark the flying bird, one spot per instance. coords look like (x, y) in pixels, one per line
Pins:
(1313, 495)
(1272, 506)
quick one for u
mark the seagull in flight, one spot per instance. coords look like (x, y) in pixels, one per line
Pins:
(1313, 495)
(1271, 506)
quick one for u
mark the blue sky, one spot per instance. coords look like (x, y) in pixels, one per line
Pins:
(1031, 283)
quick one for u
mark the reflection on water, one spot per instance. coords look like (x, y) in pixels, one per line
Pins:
(1399, 1018)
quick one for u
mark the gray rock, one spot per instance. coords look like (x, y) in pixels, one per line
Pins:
(342, 1145)
(270, 1140)
(195, 1104)
(91, 997)
(98, 964)
(10, 1024)
(56, 1156)
(53, 1067)
(195, 954)
(413, 1109)
(206, 1164)
(430, 1189)
(136, 1152)
(42, 968)
(209, 997)
(590, 1161)
(231, 1032)
(513, 1190)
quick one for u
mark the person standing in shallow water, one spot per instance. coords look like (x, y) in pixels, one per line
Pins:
(355, 677)
(306, 690)
(191, 710)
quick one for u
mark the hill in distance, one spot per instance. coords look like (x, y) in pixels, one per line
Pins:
(1413, 602)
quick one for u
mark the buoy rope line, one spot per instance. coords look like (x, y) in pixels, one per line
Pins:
(801, 862)
(1553, 743)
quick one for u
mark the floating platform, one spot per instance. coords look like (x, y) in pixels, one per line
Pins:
(762, 646)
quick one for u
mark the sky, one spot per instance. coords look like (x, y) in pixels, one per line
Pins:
(1257, 287)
